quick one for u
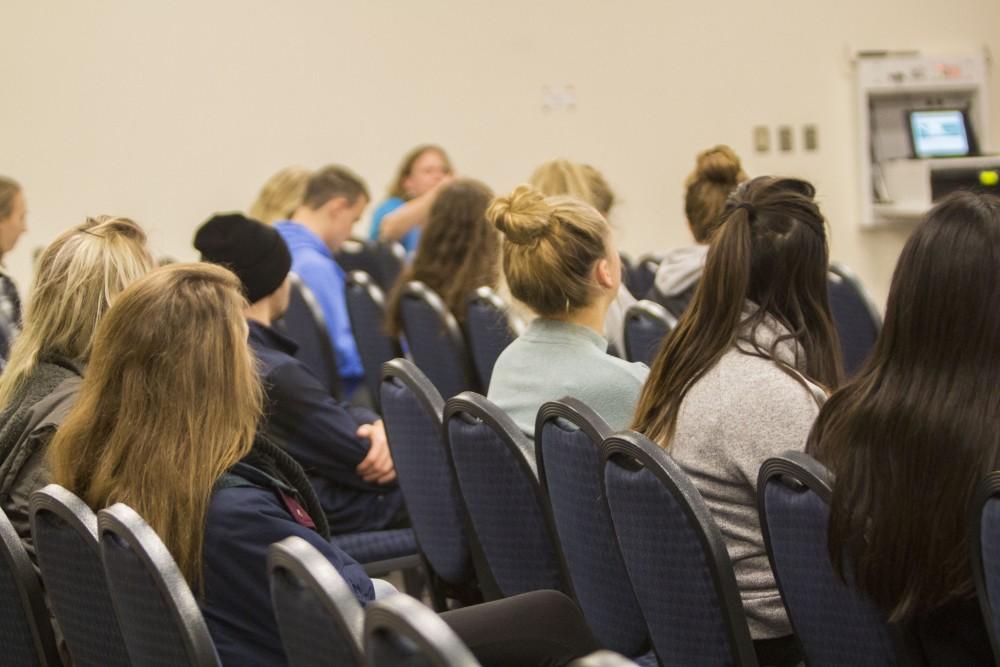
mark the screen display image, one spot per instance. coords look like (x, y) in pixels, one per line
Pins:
(939, 133)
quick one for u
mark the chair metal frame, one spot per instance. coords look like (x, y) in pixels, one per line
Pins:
(651, 310)
(363, 281)
(847, 274)
(486, 295)
(321, 332)
(405, 617)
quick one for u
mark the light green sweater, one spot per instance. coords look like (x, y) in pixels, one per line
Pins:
(552, 360)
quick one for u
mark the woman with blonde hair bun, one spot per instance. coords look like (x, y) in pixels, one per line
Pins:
(716, 174)
(280, 195)
(78, 277)
(560, 260)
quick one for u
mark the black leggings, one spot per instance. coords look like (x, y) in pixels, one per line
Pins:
(543, 628)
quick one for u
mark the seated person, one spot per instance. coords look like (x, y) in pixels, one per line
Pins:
(560, 260)
(403, 216)
(342, 448)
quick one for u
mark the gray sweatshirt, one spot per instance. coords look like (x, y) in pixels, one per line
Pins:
(742, 411)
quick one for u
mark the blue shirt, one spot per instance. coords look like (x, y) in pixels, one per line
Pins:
(410, 240)
(314, 263)
(320, 433)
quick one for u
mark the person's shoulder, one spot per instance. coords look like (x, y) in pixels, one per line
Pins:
(387, 206)
(627, 373)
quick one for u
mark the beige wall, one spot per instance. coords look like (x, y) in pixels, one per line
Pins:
(169, 111)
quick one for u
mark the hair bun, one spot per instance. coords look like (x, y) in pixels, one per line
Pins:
(523, 216)
(720, 165)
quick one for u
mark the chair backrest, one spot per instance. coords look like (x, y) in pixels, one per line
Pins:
(984, 553)
(568, 437)
(24, 619)
(603, 659)
(399, 631)
(303, 322)
(382, 260)
(855, 316)
(490, 328)
(159, 618)
(644, 273)
(834, 623)
(435, 340)
(646, 325)
(502, 496)
(366, 307)
(64, 530)
(675, 556)
(320, 620)
(413, 409)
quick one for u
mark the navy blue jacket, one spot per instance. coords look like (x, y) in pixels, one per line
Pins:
(243, 519)
(320, 433)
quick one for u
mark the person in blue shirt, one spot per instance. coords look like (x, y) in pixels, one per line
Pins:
(342, 447)
(403, 216)
(333, 202)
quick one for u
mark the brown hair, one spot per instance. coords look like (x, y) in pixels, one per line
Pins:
(280, 195)
(910, 436)
(333, 181)
(458, 253)
(406, 168)
(170, 401)
(550, 247)
(771, 251)
(562, 177)
(715, 176)
(8, 191)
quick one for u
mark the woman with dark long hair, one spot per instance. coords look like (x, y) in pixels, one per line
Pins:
(743, 375)
(912, 434)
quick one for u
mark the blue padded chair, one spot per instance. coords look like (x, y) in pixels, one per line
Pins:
(159, 618)
(64, 531)
(855, 316)
(984, 552)
(24, 620)
(502, 496)
(382, 260)
(568, 437)
(412, 409)
(381, 551)
(646, 325)
(675, 557)
(320, 620)
(401, 632)
(644, 273)
(303, 322)
(603, 659)
(366, 307)
(834, 624)
(489, 328)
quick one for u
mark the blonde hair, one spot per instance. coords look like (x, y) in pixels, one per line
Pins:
(406, 167)
(280, 195)
(715, 176)
(170, 401)
(562, 177)
(8, 191)
(550, 247)
(79, 274)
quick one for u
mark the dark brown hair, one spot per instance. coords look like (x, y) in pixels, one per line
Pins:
(333, 181)
(715, 176)
(770, 250)
(406, 167)
(912, 434)
(459, 250)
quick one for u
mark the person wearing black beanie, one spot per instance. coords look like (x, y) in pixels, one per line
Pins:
(343, 447)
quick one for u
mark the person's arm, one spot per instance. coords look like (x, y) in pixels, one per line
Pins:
(413, 213)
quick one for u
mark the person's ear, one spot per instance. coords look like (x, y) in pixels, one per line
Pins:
(602, 273)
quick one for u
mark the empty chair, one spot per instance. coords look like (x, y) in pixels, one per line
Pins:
(644, 273)
(602, 659)
(502, 496)
(413, 409)
(833, 623)
(27, 633)
(382, 260)
(400, 632)
(675, 556)
(366, 307)
(159, 618)
(320, 620)
(64, 530)
(646, 325)
(489, 327)
(568, 441)
(303, 322)
(381, 551)
(856, 318)
(435, 340)
(984, 551)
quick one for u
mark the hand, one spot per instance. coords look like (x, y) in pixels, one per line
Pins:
(377, 465)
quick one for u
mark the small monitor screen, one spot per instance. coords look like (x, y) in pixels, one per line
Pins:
(939, 133)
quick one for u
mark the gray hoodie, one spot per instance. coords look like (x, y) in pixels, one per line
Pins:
(680, 269)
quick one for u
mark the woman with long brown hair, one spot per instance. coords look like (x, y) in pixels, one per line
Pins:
(912, 434)
(459, 253)
(743, 374)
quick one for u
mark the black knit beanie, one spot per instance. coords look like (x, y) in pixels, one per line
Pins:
(255, 252)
